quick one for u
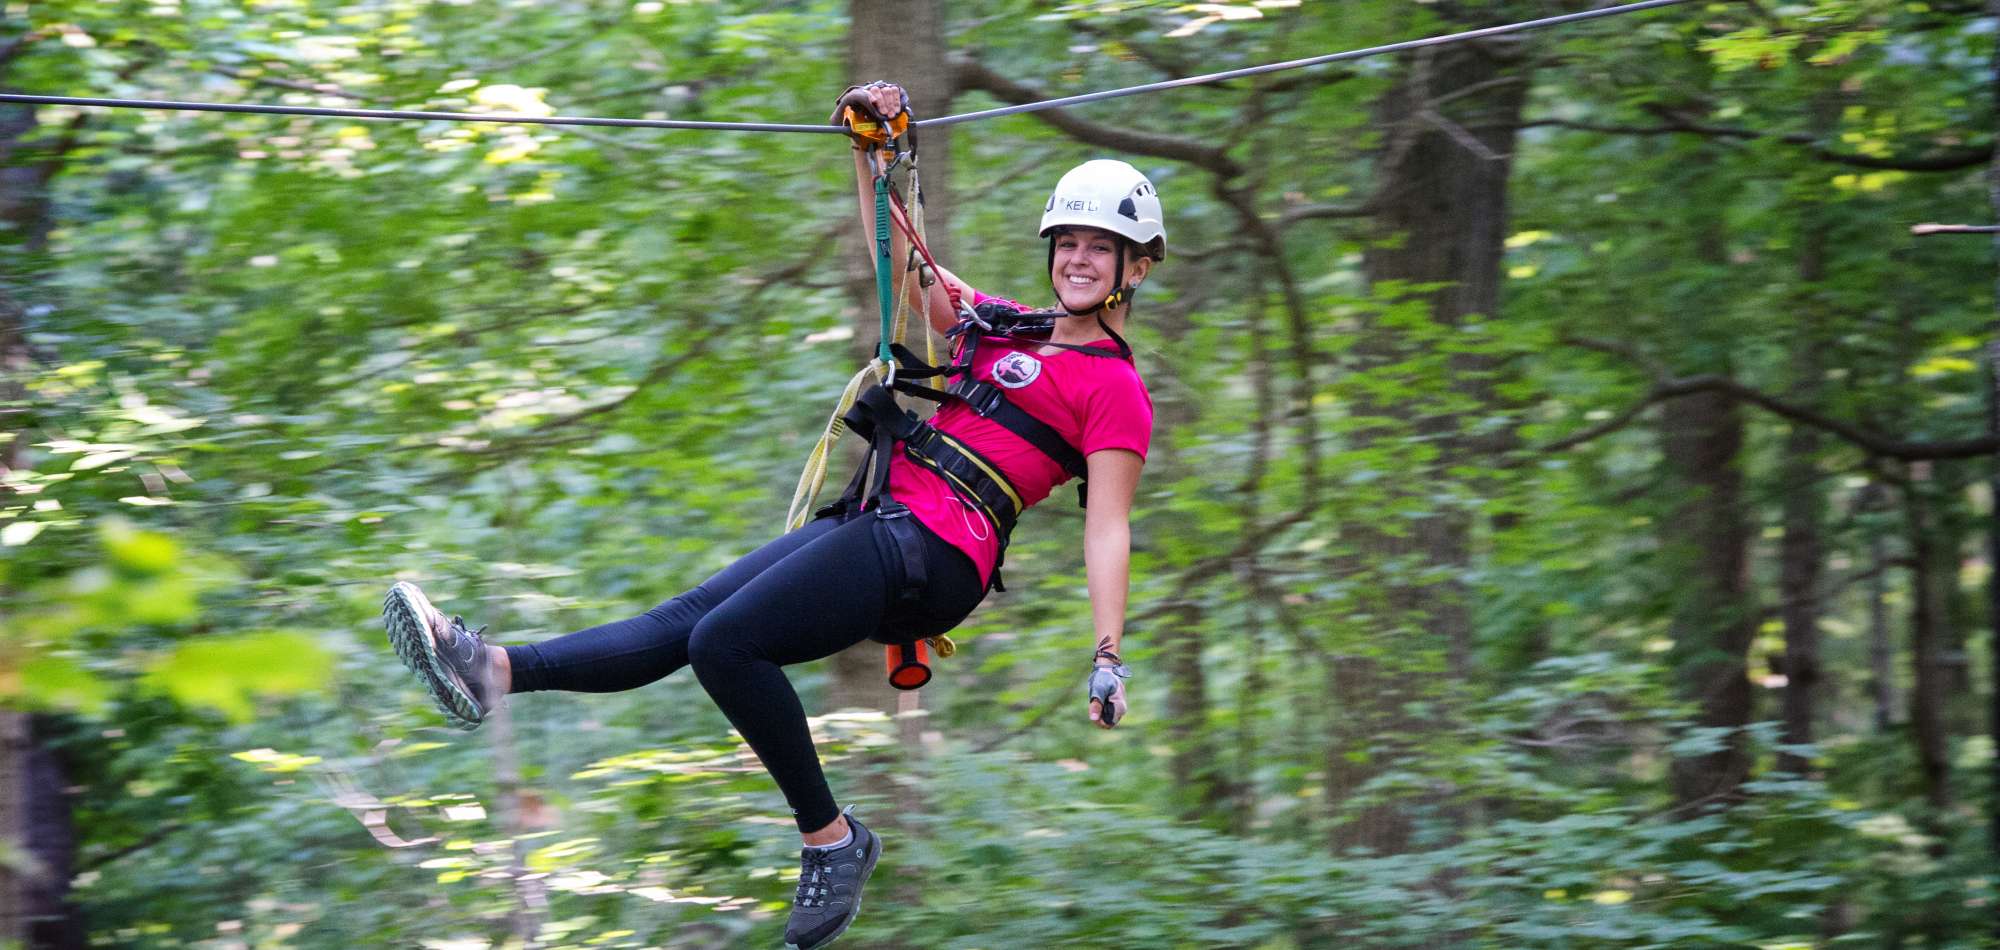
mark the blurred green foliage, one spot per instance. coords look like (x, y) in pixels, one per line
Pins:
(557, 375)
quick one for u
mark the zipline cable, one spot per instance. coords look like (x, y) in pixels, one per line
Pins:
(509, 118)
(1441, 40)
(516, 119)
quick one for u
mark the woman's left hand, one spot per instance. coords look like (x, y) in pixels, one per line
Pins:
(1107, 695)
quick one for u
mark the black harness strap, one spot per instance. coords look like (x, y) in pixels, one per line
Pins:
(990, 402)
(877, 417)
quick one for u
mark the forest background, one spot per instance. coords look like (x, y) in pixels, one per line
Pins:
(1566, 523)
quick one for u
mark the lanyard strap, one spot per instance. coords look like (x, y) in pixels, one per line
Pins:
(884, 293)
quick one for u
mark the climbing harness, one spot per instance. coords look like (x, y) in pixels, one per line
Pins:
(976, 483)
(1058, 103)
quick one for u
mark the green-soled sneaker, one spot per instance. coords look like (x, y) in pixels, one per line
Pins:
(449, 660)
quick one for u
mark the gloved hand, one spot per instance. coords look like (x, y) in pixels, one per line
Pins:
(1107, 694)
(870, 113)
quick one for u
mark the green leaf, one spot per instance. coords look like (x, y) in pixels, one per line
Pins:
(146, 552)
(225, 673)
(52, 682)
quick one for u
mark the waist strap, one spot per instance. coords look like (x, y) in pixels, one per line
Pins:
(971, 477)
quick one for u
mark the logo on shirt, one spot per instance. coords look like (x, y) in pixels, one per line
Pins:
(1016, 370)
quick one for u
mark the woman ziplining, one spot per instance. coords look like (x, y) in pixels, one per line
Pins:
(913, 545)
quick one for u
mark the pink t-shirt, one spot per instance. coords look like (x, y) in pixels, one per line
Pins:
(1094, 403)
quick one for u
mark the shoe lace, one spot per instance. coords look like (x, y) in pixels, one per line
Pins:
(466, 642)
(815, 864)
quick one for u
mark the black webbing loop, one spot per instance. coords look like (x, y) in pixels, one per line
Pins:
(902, 529)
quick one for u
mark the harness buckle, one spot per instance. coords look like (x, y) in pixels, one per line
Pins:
(892, 511)
(984, 398)
(919, 440)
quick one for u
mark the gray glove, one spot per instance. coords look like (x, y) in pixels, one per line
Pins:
(1107, 693)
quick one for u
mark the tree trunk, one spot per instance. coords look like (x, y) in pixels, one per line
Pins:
(903, 41)
(19, 874)
(1929, 568)
(1881, 642)
(514, 805)
(1801, 553)
(1951, 531)
(900, 41)
(1366, 701)
(1707, 537)
(1993, 490)
(1441, 218)
(16, 874)
(1251, 495)
(1242, 789)
(1201, 789)
(36, 832)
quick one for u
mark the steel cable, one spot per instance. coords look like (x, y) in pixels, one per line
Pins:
(1440, 40)
(1058, 103)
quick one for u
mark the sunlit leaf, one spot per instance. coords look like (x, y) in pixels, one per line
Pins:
(226, 673)
(52, 682)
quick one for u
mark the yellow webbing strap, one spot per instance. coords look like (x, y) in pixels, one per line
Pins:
(916, 212)
(814, 476)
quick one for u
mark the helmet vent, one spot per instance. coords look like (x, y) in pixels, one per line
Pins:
(1127, 209)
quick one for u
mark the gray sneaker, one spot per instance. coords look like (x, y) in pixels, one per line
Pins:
(449, 660)
(830, 881)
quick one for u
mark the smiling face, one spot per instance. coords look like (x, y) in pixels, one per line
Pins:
(1085, 263)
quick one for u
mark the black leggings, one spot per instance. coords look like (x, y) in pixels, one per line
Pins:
(807, 595)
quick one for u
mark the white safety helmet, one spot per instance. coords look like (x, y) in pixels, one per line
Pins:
(1112, 195)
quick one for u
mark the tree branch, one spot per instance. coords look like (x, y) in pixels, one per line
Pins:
(1666, 387)
(49, 167)
(970, 74)
(16, 45)
(1945, 161)
(1924, 229)
(151, 838)
(1297, 213)
(661, 370)
(1624, 418)
(318, 88)
(1161, 59)
(1208, 568)
(1298, 324)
